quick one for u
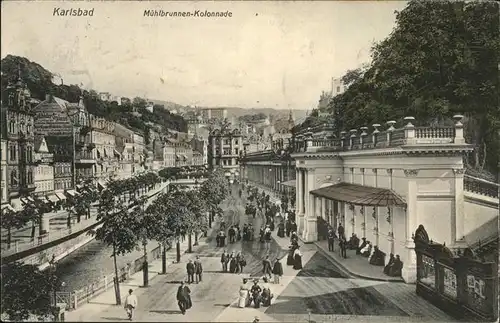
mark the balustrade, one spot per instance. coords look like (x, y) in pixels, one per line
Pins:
(480, 186)
(391, 137)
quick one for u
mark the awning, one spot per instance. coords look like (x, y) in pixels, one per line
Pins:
(60, 196)
(79, 187)
(360, 195)
(185, 157)
(117, 153)
(290, 183)
(177, 157)
(101, 184)
(52, 198)
(71, 193)
(25, 200)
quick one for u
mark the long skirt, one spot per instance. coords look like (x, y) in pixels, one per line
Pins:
(290, 260)
(297, 262)
(281, 232)
(243, 300)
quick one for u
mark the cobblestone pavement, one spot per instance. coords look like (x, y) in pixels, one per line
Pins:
(318, 293)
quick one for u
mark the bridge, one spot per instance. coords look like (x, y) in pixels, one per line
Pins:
(61, 241)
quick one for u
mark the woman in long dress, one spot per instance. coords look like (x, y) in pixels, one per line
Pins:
(289, 259)
(244, 294)
(297, 259)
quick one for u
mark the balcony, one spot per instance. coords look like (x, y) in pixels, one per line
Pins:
(84, 158)
(322, 138)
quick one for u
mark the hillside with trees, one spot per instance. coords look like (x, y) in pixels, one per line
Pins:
(132, 113)
(441, 59)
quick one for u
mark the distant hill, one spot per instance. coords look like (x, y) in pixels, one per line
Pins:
(274, 114)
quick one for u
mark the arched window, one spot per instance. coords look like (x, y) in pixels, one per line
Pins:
(13, 178)
(12, 126)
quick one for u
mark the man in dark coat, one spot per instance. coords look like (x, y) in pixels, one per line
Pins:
(190, 268)
(277, 271)
(255, 292)
(266, 267)
(231, 234)
(331, 240)
(294, 226)
(343, 246)
(198, 269)
(184, 298)
(341, 231)
(224, 259)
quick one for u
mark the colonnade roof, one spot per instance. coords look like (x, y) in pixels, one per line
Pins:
(360, 195)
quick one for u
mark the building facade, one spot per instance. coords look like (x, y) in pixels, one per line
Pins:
(44, 174)
(105, 154)
(224, 149)
(4, 194)
(18, 129)
(383, 185)
(139, 149)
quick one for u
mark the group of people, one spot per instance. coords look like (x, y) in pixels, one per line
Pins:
(294, 255)
(248, 232)
(265, 235)
(269, 269)
(233, 263)
(365, 249)
(193, 269)
(255, 294)
(234, 233)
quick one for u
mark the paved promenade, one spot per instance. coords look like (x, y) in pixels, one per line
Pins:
(320, 292)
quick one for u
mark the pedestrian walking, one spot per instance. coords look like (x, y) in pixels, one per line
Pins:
(184, 298)
(225, 258)
(190, 268)
(198, 269)
(130, 304)
(343, 246)
(277, 271)
(266, 267)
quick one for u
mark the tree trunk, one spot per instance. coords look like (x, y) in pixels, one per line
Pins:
(178, 247)
(164, 259)
(117, 281)
(32, 230)
(195, 238)
(145, 265)
(190, 246)
(40, 225)
(78, 217)
(9, 237)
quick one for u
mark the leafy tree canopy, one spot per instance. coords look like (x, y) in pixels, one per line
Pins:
(27, 291)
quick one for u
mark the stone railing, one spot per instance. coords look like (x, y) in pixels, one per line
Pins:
(481, 186)
(322, 138)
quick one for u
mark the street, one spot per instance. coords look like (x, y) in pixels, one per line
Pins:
(318, 292)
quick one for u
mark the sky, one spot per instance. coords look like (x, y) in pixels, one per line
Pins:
(268, 54)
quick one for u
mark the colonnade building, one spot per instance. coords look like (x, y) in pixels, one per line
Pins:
(381, 185)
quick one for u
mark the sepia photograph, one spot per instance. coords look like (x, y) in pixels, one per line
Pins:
(250, 161)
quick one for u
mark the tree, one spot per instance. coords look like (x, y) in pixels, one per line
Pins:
(27, 291)
(120, 228)
(441, 59)
(172, 215)
(11, 220)
(213, 191)
(197, 219)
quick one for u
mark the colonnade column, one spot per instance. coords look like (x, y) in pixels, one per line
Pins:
(310, 233)
(299, 202)
(409, 271)
(457, 232)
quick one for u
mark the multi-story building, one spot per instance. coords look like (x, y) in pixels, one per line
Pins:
(18, 129)
(214, 113)
(138, 151)
(66, 127)
(44, 174)
(105, 153)
(124, 146)
(198, 159)
(3, 173)
(200, 145)
(224, 148)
